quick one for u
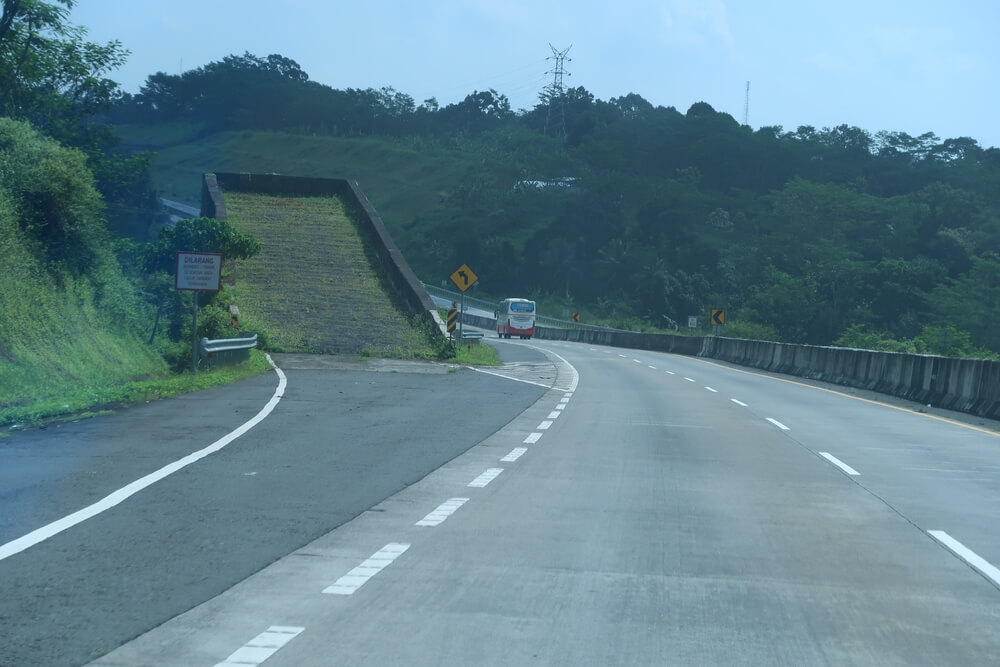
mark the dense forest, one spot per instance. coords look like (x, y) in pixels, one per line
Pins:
(637, 212)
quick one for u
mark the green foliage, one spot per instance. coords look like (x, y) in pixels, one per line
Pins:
(70, 320)
(197, 235)
(53, 194)
(942, 341)
(736, 328)
(52, 77)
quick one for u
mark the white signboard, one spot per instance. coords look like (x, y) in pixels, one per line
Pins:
(198, 271)
(693, 321)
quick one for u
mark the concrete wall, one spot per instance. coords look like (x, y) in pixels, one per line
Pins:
(965, 385)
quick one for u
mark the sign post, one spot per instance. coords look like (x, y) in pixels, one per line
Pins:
(197, 272)
(464, 278)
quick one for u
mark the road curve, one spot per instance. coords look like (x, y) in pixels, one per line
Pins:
(649, 509)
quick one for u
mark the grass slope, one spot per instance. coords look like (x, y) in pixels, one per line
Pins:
(313, 288)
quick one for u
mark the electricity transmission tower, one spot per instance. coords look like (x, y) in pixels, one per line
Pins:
(556, 94)
(746, 107)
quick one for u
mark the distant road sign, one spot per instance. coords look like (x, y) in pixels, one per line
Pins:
(198, 271)
(693, 321)
(464, 277)
(576, 317)
(718, 317)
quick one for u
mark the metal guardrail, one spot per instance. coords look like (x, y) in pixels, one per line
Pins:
(226, 351)
(491, 306)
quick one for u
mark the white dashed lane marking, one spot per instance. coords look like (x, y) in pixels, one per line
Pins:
(840, 464)
(740, 403)
(444, 510)
(977, 562)
(360, 575)
(486, 478)
(514, 455)
(532, 438)
(262, 647)
(778, 424)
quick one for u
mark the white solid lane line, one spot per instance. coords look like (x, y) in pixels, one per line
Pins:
(360, 575)
(840, 464)
(262, 647)
(778, 424)
(129, 490)
(969, 556)
(443, 511)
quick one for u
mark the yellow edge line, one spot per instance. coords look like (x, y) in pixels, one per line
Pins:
(856, 398)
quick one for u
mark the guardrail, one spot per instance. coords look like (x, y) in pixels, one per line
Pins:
(491, 306)
(226, 351)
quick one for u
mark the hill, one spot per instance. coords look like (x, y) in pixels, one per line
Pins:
(634, 215)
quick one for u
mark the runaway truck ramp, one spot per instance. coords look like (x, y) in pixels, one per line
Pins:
(329, 278)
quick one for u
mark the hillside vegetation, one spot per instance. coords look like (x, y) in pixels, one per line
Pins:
(636, 215)
(73, 328)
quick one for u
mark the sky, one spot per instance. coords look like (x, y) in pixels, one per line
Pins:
(912, 66)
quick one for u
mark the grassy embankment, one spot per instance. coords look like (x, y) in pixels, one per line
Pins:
(63, 356)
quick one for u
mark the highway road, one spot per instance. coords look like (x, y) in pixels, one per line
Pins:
(582, 505)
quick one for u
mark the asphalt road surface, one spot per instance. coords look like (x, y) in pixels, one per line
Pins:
(581, 506)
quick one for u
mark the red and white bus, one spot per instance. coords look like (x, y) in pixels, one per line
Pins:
(515, 317)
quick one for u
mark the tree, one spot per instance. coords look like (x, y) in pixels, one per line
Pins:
(57, 205)
(52, 77)
(198, 235)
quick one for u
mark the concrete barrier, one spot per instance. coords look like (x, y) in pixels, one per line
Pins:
(964, 385)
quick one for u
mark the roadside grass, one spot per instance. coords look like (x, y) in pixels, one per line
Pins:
(476, 354)
(78, 402)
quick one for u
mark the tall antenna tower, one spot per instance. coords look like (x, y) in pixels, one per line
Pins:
(555, 92)
(746, 107)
